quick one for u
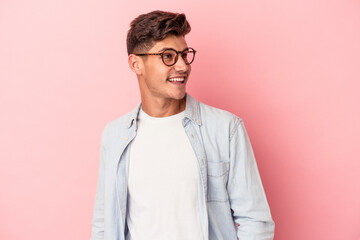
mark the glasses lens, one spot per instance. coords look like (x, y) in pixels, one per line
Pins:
(188, 56)
(169, 57)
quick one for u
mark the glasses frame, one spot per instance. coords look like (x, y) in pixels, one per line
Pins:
(176, 58)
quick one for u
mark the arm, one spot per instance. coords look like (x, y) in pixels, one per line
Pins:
(97, 231)
(247, 198)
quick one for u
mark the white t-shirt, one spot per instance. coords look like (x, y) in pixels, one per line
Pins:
(163, 182)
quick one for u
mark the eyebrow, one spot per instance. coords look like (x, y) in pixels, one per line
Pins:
(167, 48)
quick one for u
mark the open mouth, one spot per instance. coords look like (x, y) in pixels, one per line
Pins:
(178, 80)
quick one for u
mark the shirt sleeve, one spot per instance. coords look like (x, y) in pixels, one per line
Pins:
(97, 231)
(247, 198)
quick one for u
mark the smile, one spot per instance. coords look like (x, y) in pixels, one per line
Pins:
(177, 80)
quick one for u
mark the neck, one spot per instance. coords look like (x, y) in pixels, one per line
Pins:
(161, 107)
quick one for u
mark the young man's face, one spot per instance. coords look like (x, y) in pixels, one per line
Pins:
(156, 76)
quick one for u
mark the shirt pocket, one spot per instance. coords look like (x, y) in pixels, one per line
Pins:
(217, 175)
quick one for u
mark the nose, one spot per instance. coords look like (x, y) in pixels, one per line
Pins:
(180, 65)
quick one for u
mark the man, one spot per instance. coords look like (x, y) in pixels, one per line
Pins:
(175, 168)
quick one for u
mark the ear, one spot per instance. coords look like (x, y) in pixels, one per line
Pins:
(135, 64)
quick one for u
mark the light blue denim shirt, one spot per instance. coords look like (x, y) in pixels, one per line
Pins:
(232, 199)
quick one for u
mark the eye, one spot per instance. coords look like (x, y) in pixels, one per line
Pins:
(167, 55)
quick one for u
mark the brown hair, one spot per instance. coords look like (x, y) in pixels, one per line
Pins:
(154, 26)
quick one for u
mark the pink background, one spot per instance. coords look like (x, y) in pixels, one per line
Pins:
(290, 69)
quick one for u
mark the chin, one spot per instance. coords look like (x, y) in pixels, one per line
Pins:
(179, 96)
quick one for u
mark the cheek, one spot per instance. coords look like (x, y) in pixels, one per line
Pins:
(158, 70)
(157, 73)
(162, 73)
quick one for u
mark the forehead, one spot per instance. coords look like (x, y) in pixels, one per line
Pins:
(176, 42)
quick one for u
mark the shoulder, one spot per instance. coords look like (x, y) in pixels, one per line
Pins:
(118, 126)
(218, 121)
(218, 116)
(222, 122)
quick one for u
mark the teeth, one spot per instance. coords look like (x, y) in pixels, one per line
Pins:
(176, 79)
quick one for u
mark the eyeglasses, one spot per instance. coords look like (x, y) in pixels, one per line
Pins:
(170, 56)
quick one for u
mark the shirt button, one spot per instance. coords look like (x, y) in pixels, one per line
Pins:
(197, 121)
(126, 138)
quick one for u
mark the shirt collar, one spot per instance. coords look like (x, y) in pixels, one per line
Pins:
(192, 111)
